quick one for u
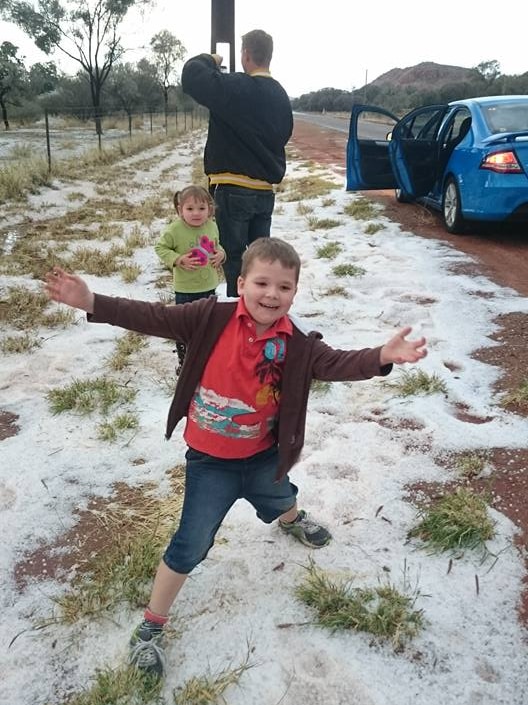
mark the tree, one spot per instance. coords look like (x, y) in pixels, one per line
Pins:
(12, 77)
(167, 51)
(87, 31)
(489, 70)
(43, 78)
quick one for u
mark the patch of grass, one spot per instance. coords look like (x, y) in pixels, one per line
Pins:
(120, 686)
(96, 262)
(318, 386)
(22, 177)
(208, 689)
(25, 309)
(304, 188)
(322, 223)
(372, 228)
(126, 346)
(140, 525)
(361, 209)
(348, 270)
(130, 273)
(14, 344)
(111, 429)
(383, 611)
(327, 202)
(457, 521)
(21, 151)
(329, 251)
(471, 464)
(412, 382)
(304, 208)
(86, 396)
(335, 291)
(517, 397)
(75, 196)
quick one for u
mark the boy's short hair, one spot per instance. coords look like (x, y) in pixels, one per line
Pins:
(199, 193)
(271, 249)
(259, 45)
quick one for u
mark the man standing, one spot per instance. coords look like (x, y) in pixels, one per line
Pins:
(250, 122)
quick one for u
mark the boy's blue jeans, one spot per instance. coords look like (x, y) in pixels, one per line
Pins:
(212, 486)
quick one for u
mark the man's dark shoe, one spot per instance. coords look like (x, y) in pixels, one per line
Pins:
(306, 531)
(146, 650)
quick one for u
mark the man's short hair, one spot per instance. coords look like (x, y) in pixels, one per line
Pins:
(259, 45)
(271, 249)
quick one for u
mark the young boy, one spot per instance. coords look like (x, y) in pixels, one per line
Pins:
(246, 362)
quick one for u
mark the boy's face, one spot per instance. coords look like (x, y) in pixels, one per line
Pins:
(268, 290)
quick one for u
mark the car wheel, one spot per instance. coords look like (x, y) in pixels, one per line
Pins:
(452, 208)
(401, 196)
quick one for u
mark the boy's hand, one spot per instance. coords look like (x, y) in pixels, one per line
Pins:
(69, 289)
(399, 350)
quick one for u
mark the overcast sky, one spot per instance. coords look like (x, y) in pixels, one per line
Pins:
(336, 43)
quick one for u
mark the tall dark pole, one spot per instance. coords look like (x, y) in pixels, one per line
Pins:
(223, 27)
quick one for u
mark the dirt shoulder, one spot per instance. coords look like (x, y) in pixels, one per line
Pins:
(502, 256)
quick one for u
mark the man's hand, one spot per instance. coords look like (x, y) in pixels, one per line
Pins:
(399, 350)
(69, 289)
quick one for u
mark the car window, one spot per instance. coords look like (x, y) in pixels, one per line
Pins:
(456, 127)
(373, 126)
(506, 117)
(422, 126)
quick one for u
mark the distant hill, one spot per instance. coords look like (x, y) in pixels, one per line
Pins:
(426, 75)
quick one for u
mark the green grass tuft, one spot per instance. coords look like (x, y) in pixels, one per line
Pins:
(86, 396)
(348, 270)
(120, 686)
(415, 382)
(361, 209)
(110, 430)
(381, 610)
(457, 521)
(329, 251)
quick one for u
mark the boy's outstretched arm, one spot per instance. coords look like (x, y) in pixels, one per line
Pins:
(69, 289)
(398, 350)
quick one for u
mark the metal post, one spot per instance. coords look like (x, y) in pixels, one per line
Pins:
(223, 27)
(48, 145)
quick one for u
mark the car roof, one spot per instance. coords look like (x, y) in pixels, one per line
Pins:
(491, 99)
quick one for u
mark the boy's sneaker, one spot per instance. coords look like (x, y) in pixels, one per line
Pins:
(146, 650)
(306, 531)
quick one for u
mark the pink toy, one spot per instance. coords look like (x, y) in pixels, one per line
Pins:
(204, 250)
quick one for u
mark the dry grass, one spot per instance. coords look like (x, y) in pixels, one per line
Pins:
(24, 309)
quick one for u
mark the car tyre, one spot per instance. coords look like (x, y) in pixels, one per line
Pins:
(402, 197)
(452, 208)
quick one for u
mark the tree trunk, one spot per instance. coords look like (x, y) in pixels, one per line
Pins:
(4, 114)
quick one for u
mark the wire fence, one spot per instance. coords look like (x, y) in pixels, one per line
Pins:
(65, 135)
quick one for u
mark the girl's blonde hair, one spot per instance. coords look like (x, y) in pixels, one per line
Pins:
(199, 193)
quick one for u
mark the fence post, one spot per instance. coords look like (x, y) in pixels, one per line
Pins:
(48, 144)
(185, 120)
(176, 118)
(130, 125)
(150, 113)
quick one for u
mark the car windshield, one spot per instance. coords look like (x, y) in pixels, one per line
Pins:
(506, 117)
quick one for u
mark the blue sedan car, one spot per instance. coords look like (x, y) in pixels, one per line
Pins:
(467, 159)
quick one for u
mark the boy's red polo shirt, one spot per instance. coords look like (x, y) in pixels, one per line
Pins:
(234, 409)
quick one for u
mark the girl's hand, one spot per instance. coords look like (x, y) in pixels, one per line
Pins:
(187, 262)
(69, 289)
(217, 258)
(399, 350)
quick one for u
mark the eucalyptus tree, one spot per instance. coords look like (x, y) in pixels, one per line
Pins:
(12, 78)
(167, 52)
(86, 31)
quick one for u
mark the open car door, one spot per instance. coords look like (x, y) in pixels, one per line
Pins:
(368, 163)
(384, 152)
(415, 151)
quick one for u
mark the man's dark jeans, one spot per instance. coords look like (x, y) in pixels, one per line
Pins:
(242, 215)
